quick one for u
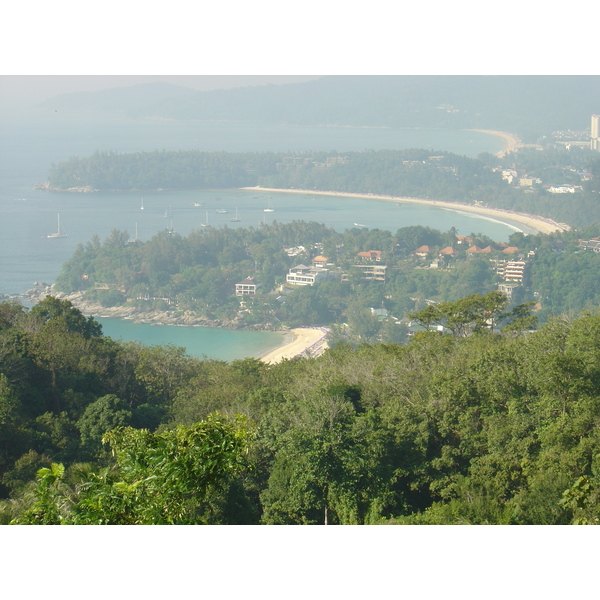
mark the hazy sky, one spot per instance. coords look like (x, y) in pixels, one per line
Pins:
(31, 89)
(56, 40)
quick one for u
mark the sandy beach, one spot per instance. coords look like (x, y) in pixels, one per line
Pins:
(309, 340)
(539, 224)
(511, 141)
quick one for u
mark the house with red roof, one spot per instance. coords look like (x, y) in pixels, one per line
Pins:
(370, 255)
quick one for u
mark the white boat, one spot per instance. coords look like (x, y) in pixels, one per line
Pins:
(205, 224)
(168, 214)
(270, 209)
(58, 234)
(358, 225)
(198, 204)
(221, 211)
(235, 219)
(142, 206)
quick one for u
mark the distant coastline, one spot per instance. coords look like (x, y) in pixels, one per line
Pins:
(535, 222)
(512, 142)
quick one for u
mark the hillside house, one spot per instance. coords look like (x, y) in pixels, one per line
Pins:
(319, 261)
(593, 244)
(370, 272)
(303, 275)
(448, 251)
(248, 287)
(371, 255)
(511, 270)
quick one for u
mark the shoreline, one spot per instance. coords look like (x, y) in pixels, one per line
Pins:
(535, 222)
(512, 142)
(307, 341)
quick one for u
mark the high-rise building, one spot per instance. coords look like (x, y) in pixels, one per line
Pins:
(595, 133)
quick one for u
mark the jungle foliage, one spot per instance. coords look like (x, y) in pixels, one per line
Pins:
(485, 428)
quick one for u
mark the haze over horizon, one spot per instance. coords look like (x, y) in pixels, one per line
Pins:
(19, 90)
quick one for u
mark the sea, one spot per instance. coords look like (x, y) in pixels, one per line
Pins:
(32, 139)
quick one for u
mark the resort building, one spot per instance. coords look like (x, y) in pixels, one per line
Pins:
(319, 261)
(369, 272)
(595, 133)
(593, 244)
(448, 251)
(248, 287)
(511, 270)
(303, 275)
(370, 255)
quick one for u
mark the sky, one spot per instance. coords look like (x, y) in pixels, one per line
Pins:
(64, 46)
(32, 89)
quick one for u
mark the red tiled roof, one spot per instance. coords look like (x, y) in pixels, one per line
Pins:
(449, 250)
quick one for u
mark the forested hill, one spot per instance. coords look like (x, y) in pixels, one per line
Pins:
(484, 429)
(417, 173)
(529, 106)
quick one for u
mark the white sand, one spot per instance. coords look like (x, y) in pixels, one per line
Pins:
(304, 338)
(511, 141)
(540, 224)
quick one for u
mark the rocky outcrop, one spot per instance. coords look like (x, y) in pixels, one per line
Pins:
(140, 315)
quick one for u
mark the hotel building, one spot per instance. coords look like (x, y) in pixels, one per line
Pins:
(595, 133)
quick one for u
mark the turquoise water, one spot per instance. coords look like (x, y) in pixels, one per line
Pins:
(30, 142)
(220, 344)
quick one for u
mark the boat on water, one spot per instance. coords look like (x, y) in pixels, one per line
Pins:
(198, 204)
(270, 209)
(359, 225)
(205, 224)
(221, 211)
(235, 219)
(142, 205)
(58, 234)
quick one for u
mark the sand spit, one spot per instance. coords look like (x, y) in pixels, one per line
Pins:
(536, 222)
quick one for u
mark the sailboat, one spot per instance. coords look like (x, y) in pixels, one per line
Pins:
(205, 224)
(142, 206)
(235, 219)
(270, 209)
(58, 234)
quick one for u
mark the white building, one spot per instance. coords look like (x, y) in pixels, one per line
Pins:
(595, 133)
(303, 275)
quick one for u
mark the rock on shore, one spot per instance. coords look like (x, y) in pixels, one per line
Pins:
(140, 315)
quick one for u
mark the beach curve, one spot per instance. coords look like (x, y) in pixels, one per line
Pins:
(535, 222)
(308, 341)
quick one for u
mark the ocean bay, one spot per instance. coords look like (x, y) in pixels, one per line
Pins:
(29, 146)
